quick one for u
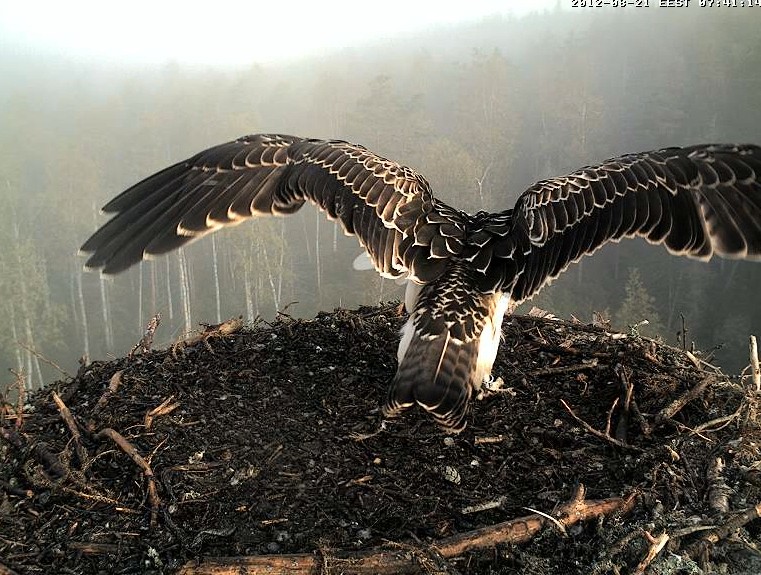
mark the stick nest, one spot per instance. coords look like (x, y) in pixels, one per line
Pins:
(261, 449)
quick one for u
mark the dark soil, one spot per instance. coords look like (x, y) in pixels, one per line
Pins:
(262, 454)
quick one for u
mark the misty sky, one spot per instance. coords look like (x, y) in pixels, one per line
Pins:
(235, 32)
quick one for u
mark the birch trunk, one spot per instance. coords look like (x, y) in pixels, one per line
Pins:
(170, 302)
(282, 261)
(249, 299)
(215, 269)
(108, 331)
(83, 315)
(33, 362)
(318, 266)
(140, 324)
(17, 349)
(270, 277)
(185, 291)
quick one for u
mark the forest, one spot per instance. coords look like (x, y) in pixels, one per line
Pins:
(483, 110)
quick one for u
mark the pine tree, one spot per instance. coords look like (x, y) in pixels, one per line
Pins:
(638, 305)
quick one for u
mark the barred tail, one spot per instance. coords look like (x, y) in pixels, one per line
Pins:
(437, 373)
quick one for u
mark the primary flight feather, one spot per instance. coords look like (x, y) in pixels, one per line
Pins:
(462, 270)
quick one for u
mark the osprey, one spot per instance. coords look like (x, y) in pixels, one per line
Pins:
(462, 270)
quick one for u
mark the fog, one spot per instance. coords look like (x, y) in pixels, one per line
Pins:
(482, 107)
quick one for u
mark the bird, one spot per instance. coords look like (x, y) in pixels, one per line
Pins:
(462, 270)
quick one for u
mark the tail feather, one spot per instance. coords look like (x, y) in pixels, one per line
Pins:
(436, 372)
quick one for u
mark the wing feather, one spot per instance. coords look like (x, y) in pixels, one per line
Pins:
(378, 200)
(696, 201)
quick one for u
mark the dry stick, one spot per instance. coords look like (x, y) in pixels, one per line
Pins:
(565, 369)
(656, 544)
(130, 450)
(6, 570)
(675, 406)
(718, 491)
(164, 409)
(754, 367)
(68, 418)
(627, 391)
(146, 342)
(718, 533)
(21, 386)
(629, 387)
(44, 359)
(384, 560)
(113, 386)
(610, 418)
(604, 436)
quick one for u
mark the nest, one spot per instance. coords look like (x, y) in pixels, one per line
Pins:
(262, 450)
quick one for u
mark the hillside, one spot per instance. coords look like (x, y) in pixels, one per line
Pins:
(265, 446)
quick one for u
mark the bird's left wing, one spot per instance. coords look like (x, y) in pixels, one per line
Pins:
(696, 201)
(389, 207)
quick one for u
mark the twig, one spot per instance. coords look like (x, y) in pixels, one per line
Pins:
(164, 409)
(130, 450)
(381, 560)
(479, 440)
(44, 359)
(551, 519)
(21, 386)
(754, 367)
(68, 418)
(676, 406)
(485, 506)
(722, 531)
(593, 364)
(656, 544)
(146, 342)
(722, 422)
(604, 436)
(631, 408)
(6, 570)
(113, 386)
(610, 417)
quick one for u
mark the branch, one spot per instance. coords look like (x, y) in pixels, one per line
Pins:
(386, 561)
(604, 436)
(113, 386)
(130, 450)
(722, 531)
(68, 418)
(656, 545)
(42, 358)
(676, 406)
(754, 367)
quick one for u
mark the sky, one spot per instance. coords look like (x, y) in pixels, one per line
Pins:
(226, 32)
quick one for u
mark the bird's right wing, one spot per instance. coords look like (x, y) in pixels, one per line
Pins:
(696, 201)
(389, 207)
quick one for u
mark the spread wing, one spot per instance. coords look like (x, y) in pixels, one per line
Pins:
(696, 201)
(388, 207)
